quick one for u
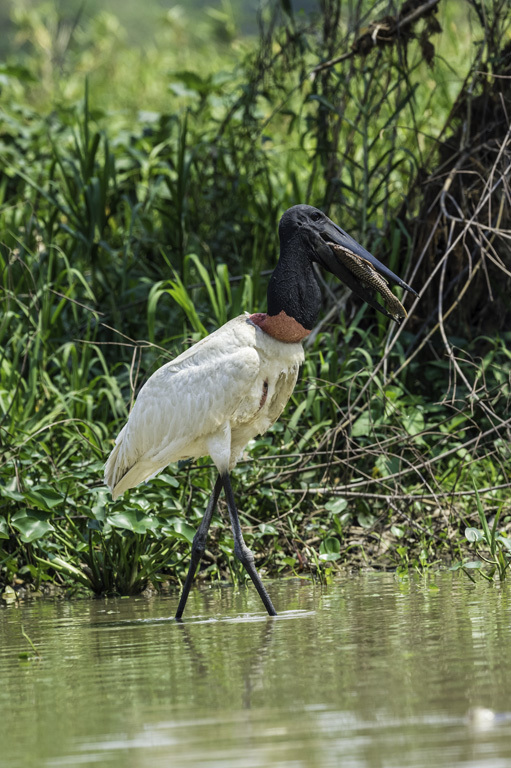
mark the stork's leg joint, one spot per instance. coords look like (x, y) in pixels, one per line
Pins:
(199, 543)
(244, 554)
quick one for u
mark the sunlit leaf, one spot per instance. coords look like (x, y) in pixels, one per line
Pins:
(366, 519)
(336, 505)
(329, 556)
(267, 528)
(32, 525)
(474, 534)
(4, 529)
(413, 422)
(330, 546)
(14, 495)
(133, 520)
(44, 498)
(181, 528)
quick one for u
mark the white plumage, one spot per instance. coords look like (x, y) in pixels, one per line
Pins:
(211, 400)
(234, 384)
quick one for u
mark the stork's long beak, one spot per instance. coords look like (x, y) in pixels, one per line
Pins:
(357, 269)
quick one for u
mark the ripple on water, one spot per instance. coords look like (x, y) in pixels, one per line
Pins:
(370, 671)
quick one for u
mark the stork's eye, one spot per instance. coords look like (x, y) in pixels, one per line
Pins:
(315, 216)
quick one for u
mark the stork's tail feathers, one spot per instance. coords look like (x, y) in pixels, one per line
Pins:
(121, 474)
(118, 473)
(113, 468)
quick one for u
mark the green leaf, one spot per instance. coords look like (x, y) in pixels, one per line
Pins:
(336, 506)
(14, 495)
(60, 564)
(133, 520)
(330, 546)
(362, 426)
(473, 564)
(329, 557)
(32, 525)
(366, 519)
(189, 78)
(267, 528)
(4, 529)
(504, 541)
(44, 498)
(388, 465)
(482, 516)
(16, 72)
(169, 479)
(413, 422)
(181, 528)
(473, 534)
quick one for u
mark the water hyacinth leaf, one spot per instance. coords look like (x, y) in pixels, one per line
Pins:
(474, 534)
(43, 498)
(14, 495)
(168, 479)
(330, 549)
(177, 526)
(99, 512)
(133, 520)
(32, 525)
(101, 498)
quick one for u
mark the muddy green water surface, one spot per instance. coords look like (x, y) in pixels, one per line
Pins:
(371, 671)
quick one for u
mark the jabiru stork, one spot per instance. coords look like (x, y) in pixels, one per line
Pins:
(233, 385)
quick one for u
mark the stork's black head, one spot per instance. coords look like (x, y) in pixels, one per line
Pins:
(307, 235)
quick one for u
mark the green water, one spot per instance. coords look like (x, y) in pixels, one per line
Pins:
(371, 671)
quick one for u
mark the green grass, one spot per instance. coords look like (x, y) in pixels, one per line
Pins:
(139, 199)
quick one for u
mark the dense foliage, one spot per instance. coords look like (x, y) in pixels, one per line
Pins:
(140, 194)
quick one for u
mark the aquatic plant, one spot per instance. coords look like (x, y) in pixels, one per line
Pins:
(493, 548)
(138, 212)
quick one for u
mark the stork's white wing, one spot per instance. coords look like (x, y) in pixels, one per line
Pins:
(183, 403)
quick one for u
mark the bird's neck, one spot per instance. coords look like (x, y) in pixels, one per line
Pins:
(281, 327)
(294, 296)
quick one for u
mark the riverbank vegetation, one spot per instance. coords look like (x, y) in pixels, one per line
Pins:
(140, 192)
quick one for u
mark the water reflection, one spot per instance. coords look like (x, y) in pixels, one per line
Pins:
(254, 671)
(372, 671)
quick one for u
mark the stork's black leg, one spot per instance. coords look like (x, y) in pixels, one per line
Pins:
(241, 550)
(199, 545)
